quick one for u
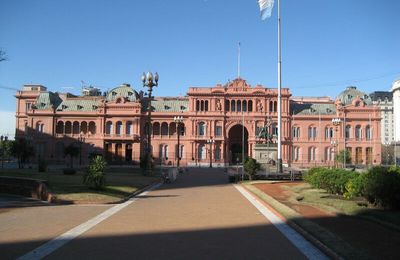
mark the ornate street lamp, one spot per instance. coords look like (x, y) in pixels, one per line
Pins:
(211, 142)
(178, 120)
(81, 139)
(336, 122)
(149, 81)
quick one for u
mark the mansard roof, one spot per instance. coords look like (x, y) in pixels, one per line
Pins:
(346, 97)
(79, 104)
(167, 104)
(313, 109)
(125, 91)
(47, 100)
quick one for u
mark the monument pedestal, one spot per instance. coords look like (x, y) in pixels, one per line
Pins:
(266, 155)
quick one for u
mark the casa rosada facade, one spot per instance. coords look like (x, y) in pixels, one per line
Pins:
(216, 122)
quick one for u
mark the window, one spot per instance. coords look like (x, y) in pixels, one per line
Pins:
(238, 106)
(312, 132)
(296, 132)
(119, 128)
(329, 154)
(328, 132)
(368, 132)
(179, 152)
(311, 153)
(128, 129)
(109, 127)
(40, 127)
(348, 131)
(358, 132)
(218, 130)
(233, 106)
(28, 106)
(274, 129)
(217, 153)
(201, 129)
(296, 152)
(201, 153)
(164, 152)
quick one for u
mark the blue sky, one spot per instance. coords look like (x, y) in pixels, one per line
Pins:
(326, 45)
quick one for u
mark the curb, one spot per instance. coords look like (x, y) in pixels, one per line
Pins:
(317, 243)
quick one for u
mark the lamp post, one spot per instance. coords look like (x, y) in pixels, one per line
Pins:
(81, 139)
(149, 81)
(178, 120)
(211, 142)
(336, 122)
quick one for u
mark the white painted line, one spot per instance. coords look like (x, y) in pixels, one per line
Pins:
(310, 251)
(63, 239)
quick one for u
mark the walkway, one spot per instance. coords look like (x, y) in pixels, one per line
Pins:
(200, 216)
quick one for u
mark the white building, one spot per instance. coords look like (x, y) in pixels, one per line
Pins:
(384, 99)
(396, 109)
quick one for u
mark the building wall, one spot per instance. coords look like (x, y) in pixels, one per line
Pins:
(223, 124)
(396, 109)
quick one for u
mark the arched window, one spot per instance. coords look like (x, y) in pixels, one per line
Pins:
(109, 128)
(239, 105)
(227, 105)
(68, 127)
(312, 153)
(201, 128)
(84, 127)
(202, 105)
(244, 104)
(250, 106)
(348, 131)
(118, 129)
(233, 105)
(60, 127)
(275, 106)
(39, 127)
(164, 152)
(164, 128)
(296, 132)
(182, 129)
(358, 133)
(217, 153)
(92, 127)
(368, 132)
(328, 132)
(296, 153)
(271, 106)
(206, 105)
(156, 128)
(172, 128)
(201, 153)
(312, 132)
(329, 154)
(75, 128)
(275, 129)
(197, 105)
(179, 152)
(128, 128)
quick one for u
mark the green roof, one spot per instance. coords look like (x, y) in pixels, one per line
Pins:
(122, 91)
(167, 105)
(313, 109)
(47, 100)
(79, 104)
(347, 96)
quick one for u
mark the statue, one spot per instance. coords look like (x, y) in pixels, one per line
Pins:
(218, 105)
(265, 135)
(259, 106)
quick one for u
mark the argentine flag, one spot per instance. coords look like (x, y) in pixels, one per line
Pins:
(266, 8)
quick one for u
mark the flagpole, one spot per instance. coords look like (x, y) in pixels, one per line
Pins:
(238, 72)
(279, 166)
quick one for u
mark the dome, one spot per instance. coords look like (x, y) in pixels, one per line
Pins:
(347, 96)
(124, 91)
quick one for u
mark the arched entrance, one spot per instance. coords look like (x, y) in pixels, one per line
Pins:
(236, 143)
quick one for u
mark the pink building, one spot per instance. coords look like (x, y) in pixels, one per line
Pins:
(114, 125)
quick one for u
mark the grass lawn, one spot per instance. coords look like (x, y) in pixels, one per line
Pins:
(304, 193)
(120, 183)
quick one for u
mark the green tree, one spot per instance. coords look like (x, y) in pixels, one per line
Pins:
(95, 175)
(71, 151)
(251, 166)
(22, 150)
(5, 150)
(341, 155)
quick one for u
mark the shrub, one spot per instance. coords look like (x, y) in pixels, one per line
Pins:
(42, 165)
(69, 171)
(95, 175)
(355, 187)
(382, 187)
(251, 166)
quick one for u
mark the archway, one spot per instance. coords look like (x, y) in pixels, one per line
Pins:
(236, 143)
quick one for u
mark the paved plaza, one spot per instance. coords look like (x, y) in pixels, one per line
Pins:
(199, 216)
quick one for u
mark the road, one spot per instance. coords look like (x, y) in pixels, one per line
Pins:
(200, 216)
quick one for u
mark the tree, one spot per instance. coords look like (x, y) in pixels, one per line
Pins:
(341, 155)
(387, 154)
(71, 151)
(251, 166)
(5, 150)
(22, 149)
